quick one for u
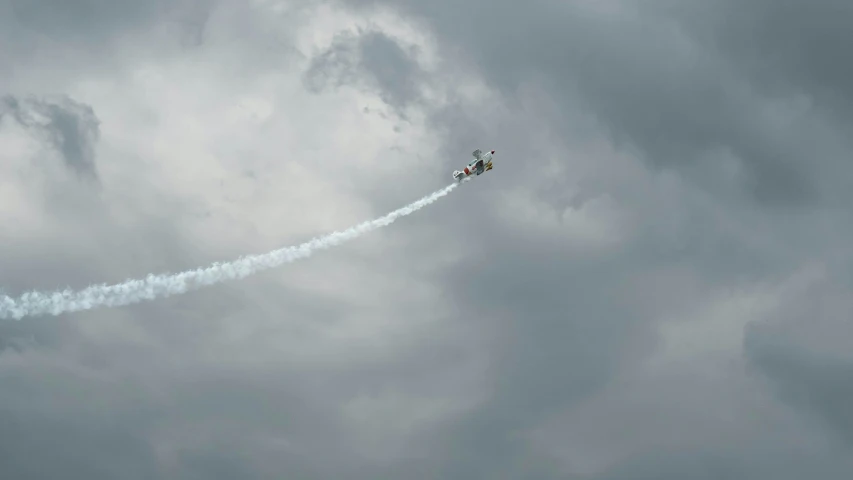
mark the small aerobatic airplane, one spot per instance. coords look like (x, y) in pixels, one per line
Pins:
(481, 163)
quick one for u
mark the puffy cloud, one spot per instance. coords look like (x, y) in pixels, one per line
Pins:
(70, 127)
(651, 282)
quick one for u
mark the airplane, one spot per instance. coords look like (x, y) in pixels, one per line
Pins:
(482, 163)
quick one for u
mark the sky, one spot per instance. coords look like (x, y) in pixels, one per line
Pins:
(653, 282)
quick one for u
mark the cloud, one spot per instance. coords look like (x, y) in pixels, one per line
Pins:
(173, 186)
(72, 128)
(657, 84)
(370, 57)
(92, 21)
(816, 384)
(652, 282)
(758, 42)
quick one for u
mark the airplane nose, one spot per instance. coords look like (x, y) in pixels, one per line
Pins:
(493, 152)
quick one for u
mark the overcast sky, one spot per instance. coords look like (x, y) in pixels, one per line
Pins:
(653, 282)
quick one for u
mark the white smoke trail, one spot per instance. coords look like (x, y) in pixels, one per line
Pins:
(165, 285)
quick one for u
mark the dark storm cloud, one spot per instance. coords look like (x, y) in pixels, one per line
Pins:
(107, 405)
(86, 31)
(556, 336)
(82, 17)
(71, 127)
(652, 85)
(786, 46)
(369, 56)
(80, 448)
(712, 465)
(555, 324)
(817, 384)
(90, 21)
(799, 353)
(761, 126)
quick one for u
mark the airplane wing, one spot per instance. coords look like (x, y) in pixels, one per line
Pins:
(477, 153)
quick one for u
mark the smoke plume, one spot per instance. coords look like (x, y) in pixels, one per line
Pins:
(165, 285)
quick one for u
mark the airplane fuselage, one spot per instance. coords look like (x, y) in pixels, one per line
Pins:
(482, 163)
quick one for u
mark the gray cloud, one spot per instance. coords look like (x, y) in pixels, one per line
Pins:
(72, 128)
(656, 186)
(372, 57)
(818, 385)
(805, 362)
(786, 47)
(92, 21)
(655, 86)
(91, 33)
(763, 139)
